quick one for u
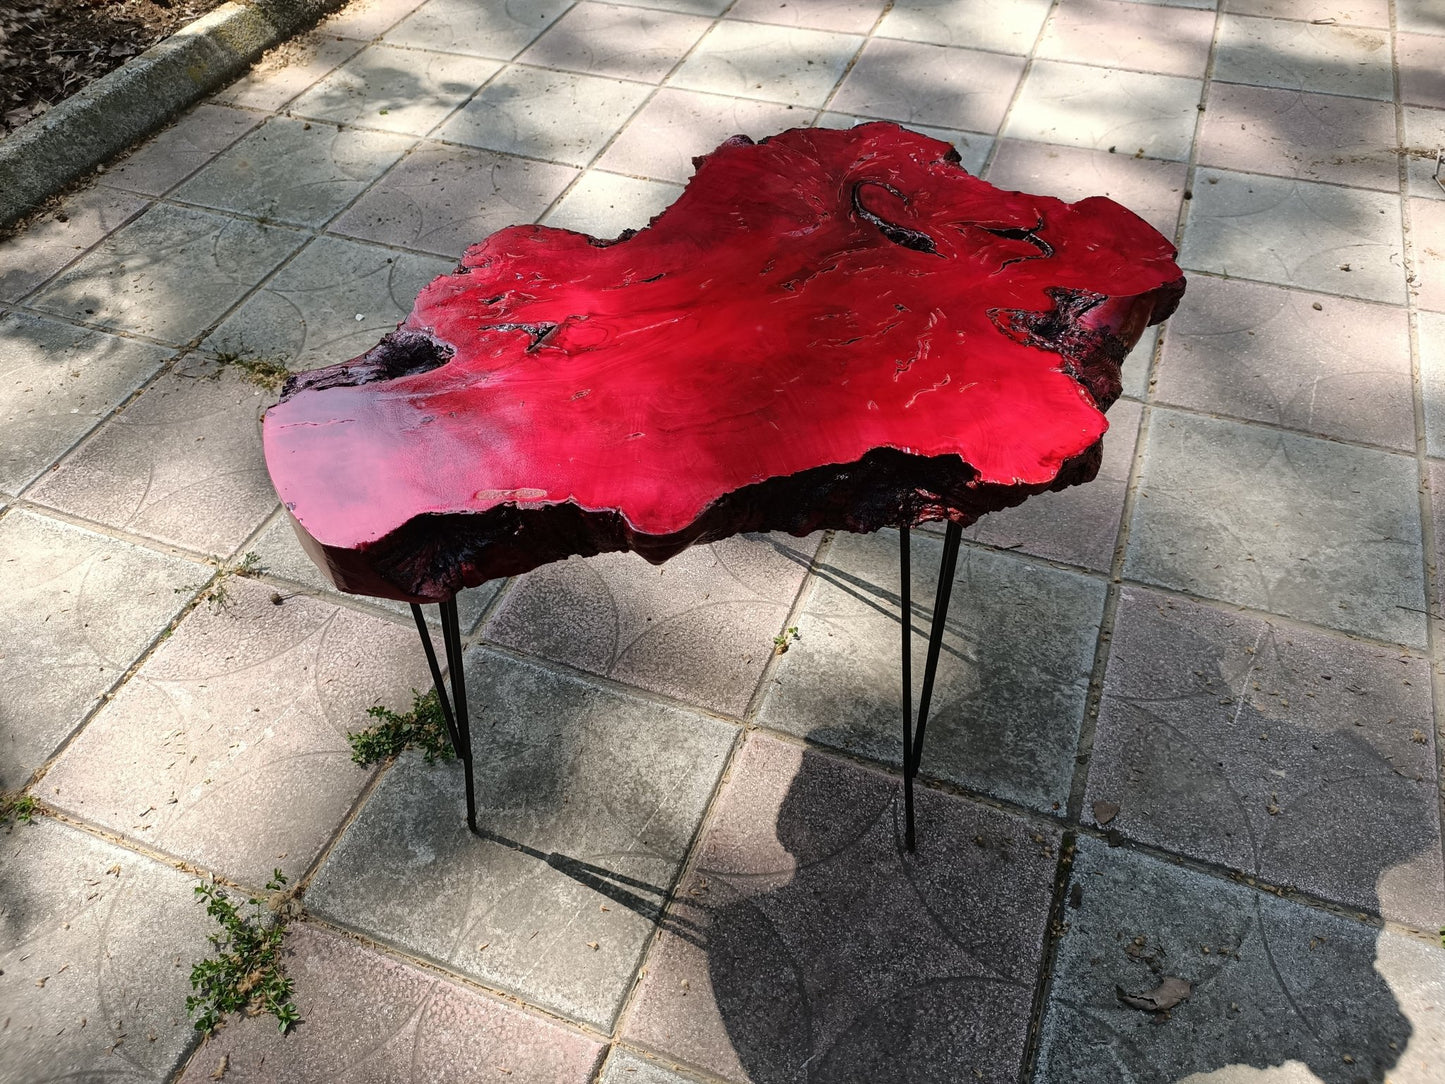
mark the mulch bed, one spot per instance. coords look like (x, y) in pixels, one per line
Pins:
(49, 49)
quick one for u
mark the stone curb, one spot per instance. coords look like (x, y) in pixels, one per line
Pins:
(129, 103)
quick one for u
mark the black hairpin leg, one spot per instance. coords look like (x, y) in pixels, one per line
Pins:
(454, 709)
(913, 742)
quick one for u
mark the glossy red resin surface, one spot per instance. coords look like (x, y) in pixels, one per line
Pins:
(827, 329)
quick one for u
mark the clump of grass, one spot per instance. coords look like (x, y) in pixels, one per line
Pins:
(218, 595)
(268, 373)
(17, 807)
(246, 974)
(423, 727)
(784, 640)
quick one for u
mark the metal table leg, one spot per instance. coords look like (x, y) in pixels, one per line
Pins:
(454, 709)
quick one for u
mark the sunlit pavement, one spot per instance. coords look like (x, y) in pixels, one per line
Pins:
(1185, 725)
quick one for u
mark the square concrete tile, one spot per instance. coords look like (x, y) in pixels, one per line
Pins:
(1319, 137)
(1137, 367)
(283, 558)
(1328, 365)
(621, 42)
(1115, 34)
(168, 274)
(1279, 991)
(914, 83)
(1437, 488)
(1295, 233)
(1329, 58)
(442, 199)
(605, 204)
(1431, 331)
(181, 463)
(972, 147)
(1201, 5)
(999, 28)
(559, 116)
(588, 801)
(1420, 16)
(290, 69)
(55, 238)
(1343, 12)
(1422, 75)
(626, 1067)
(370, 1019)
(842, 16)
(58, 381)
(464, 26)
(78, 609)
(367, 19)
(699, 628)
(294, 171)
(805, 935)
(1152, 189)
(397, 90)
(175, 153)
(1084, 106)
(792, 65)
(96, 945)
(228, 746)
(1018, 648)
(1424, 137)
(1291, 755)
(676, 126)
(687, 7)
(1427, 245)
(334, 301)
(1307, 528)
(1078, 525)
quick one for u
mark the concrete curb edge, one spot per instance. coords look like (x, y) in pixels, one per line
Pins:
(114, 112)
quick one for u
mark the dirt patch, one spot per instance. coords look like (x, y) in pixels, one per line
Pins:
(49, 49)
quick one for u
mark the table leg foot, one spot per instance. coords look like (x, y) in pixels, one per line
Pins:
(454, 708)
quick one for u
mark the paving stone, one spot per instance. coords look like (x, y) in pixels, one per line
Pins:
(96, 944)
(1424, 136)
(699, 628)
(1420, 16)
(1319, 137)
(367, 19)
(1422, 76)
(331, 303)
(790, 65)
(625, 1067)
(842, 16)
(181, 463)
(294, 171)
(1152, 189)
(590, 800)
(1345, 12)
(1011, 28)
(913, 83)
(1284, 992)
(1431, 329)
(1291, 755)
(281, 556)
(1427, 244)
(443, 199)
(290, 69)
(175, 153)
(228, 746)
(605, 204)
(805, 935)
(1018, 647)
(1137, 366)
(972, 148)
(1204, 5)
(168, 274)
(1079, 525)
(58, 381)
(1307, 528)
(694, 7)
(1436, 470)
(1258, 352)
(463, 26)
(676, 126)
(1152, 38)
(78, 609)
(1084, 106)
(1328, 58)
(54, 238)
(397, 90)
(1295, 233)
(621, 42)
(370, 1019)
(559, 116)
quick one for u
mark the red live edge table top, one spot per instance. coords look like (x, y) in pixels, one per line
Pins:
(828, 329)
